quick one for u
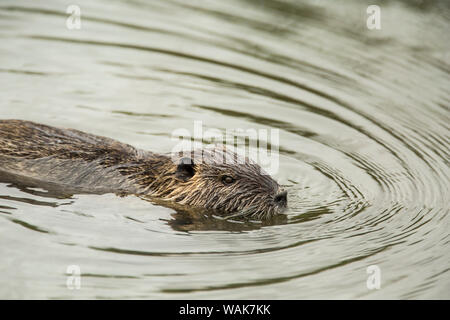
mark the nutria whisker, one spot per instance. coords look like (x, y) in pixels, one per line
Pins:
(249, 212)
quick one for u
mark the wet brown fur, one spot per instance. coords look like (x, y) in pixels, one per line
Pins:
(73, 158)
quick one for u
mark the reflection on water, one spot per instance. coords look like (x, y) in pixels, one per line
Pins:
(364, 146)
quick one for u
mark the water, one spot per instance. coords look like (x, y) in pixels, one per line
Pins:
(363, 117)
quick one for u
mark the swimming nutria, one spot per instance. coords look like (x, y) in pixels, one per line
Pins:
(93, 163)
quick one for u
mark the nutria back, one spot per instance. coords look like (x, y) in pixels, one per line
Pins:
(210, 178)
(73, 158)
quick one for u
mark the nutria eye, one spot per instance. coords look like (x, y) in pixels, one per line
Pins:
(227, 179)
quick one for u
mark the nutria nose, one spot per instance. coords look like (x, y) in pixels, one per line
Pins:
(281, 198)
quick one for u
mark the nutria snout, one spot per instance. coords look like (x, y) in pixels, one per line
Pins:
(281, 198)
(211, 178)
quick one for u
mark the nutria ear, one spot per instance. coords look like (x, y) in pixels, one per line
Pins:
(185, 169)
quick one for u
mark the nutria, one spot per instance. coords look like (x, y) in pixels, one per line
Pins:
(96, 164)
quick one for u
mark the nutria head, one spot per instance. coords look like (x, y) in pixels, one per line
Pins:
(221, 180)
